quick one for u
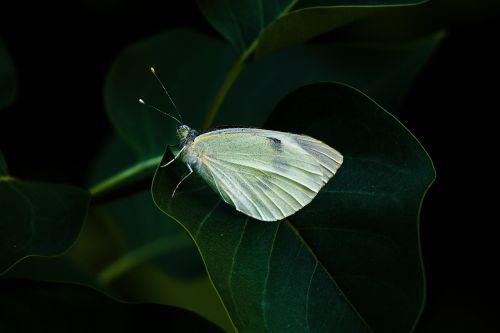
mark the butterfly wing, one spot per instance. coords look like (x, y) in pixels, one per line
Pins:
(329, 158)
(267, 175)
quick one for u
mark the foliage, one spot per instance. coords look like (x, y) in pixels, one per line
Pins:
(348, 262)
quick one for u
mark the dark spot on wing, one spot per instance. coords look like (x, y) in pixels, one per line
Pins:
(276, 144)
(275, 140)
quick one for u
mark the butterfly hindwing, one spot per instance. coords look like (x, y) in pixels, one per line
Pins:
(267, 175)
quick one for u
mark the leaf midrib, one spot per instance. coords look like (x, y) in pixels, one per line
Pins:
(330, 277)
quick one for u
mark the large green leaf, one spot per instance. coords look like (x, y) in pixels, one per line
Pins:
(191, 65)
(245, 23)
(8, 78)
(28, 306)
(383, 72)
(350, 257)
(37, 218)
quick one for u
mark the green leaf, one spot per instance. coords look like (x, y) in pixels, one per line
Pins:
(29, 306)
(245, 22)
(37, 218)
(354, 249)
(383, 72)
(8, 77)
(192, 77)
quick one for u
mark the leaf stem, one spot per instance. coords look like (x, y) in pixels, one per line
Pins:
(227, 84)
(119, 178)
(142, 254)
(233, 74)
(6, 178)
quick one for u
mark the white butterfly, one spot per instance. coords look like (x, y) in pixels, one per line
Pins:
(265, 174)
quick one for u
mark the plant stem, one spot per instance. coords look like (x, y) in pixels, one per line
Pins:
(142, 254)
(115, 180)
(6, 178)
(233, 74)
(227, 84)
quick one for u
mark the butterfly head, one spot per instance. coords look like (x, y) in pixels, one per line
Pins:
(186, 134)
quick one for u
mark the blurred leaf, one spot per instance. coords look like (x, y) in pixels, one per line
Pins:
(191, 65)
(352, 253)
(54, 269)
(150, 283)
(245, 22)
(37, 218)
(8, 79)
(157, 261)
(96, 248)
(301, 25)
(99, 245)
(28, 306)
(147, 234)
(383, 72)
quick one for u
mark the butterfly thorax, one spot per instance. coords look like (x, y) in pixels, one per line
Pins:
(186, 135)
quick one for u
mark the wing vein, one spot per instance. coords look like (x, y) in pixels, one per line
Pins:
(264, 172)
(235, 197)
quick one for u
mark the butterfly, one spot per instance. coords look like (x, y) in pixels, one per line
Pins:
(267, 175)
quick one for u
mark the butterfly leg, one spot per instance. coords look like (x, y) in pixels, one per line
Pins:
(175, 157)
(183, 179)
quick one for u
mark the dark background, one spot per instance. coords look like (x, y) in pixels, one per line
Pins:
(57, 123)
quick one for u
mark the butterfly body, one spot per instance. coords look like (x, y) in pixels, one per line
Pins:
(265, 174)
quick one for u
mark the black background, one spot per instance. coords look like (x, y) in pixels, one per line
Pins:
(62, 52)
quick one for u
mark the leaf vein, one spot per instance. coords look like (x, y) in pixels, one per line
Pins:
(202, 223)
(266, 278)
(236, 25)
(327, 273)
(307, 296)
(231, 269)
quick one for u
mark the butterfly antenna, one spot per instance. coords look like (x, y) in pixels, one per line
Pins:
(166, 92)
(155, 108)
